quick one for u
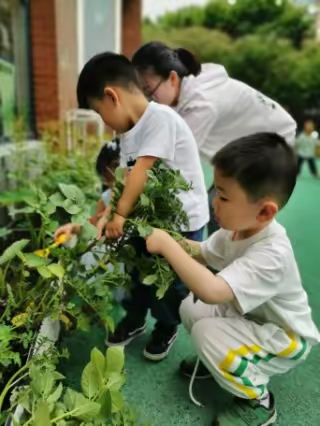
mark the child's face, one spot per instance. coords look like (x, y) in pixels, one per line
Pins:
(111, 109)
(309, 126)
(234, 210)
(108, 176)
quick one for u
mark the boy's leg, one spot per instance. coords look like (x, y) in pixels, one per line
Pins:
(299, 164)
(242, 356)
(166, 312)
(313, 166)
(136, 305)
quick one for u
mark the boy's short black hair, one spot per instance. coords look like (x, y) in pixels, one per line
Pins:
(101, 70)
(109, 156)
(263, 164)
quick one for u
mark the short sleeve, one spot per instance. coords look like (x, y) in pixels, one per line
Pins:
(255, 277)
(212, 250)
(159, 137)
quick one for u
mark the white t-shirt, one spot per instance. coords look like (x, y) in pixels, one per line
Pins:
(162, 133)
(306, 145)
(219, 109)
(263, 274)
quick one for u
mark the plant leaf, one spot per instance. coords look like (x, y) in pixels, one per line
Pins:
(90, 381)
(144, 230)
(13, 250)
(33, 261)
(55, 395)
(50, 208)
(145, 201)
(56, 270)
(70, 207)
(42, 415)
(115, 381)
(114, 360)
(98, 360)
(105, 411)
(72, 192)
(57, 199)
(88, 231)
(117, 401)
(44, 271)
(150, 279)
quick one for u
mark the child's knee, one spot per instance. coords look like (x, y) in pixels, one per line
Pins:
(185, 311)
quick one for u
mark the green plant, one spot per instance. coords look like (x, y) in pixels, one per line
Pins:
(47, 402)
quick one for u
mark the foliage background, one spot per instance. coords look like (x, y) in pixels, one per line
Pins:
(268, 44)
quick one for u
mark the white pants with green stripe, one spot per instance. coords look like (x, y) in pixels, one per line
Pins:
(241, 354)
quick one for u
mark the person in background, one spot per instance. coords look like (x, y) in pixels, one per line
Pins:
(253, 319)
(148, 131)
(305, 148)
(217, 108)
(107, 162)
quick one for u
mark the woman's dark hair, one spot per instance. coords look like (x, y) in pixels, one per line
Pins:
(263, 164)
(161, 59)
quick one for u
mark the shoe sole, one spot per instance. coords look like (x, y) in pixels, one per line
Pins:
(271, 421)
(138, 332)
(159, 357)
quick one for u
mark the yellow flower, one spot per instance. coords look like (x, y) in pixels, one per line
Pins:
(42, 253)
(45, 252)
(66, 321)
(62, 239)
(19, 319)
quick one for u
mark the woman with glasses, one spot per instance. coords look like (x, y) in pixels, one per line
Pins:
(217, 108)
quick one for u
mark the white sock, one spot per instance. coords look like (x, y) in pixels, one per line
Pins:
(265, 401)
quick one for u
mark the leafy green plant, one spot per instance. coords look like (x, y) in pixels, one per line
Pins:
(47, 402)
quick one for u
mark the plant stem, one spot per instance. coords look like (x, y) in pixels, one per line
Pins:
(9, 383)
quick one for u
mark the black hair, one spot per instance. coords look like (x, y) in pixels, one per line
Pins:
(161, 59)
(263, 164)
(101, 70)
(109, 156)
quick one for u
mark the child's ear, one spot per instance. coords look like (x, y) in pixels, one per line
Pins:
(267, 211)
(112, 95)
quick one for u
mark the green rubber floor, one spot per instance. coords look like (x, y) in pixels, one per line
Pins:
(158, 392)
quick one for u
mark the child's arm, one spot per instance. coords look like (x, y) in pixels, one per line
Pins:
(203, 283)
(100, 208)
(194, 246)
(134, 185)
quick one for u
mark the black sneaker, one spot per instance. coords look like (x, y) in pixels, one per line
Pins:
(187, 367)
(161, 341)
(125, 332)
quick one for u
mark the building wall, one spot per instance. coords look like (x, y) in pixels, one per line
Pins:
(56, 51)
(67, 54)
(131, 26)
(44, 58)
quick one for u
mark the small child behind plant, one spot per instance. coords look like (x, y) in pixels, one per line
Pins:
(107, 162)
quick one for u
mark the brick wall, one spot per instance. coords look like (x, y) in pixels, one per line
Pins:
(131, 26)
(44, 57)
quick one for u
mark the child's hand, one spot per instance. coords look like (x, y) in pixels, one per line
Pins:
(69, 229)
(115, 227)
(102, 223)
(156, 241)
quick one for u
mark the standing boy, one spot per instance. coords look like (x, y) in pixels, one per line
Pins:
(148, 132)
(305, 147)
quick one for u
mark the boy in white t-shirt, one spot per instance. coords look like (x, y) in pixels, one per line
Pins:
(252, 319)
(148, 132)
